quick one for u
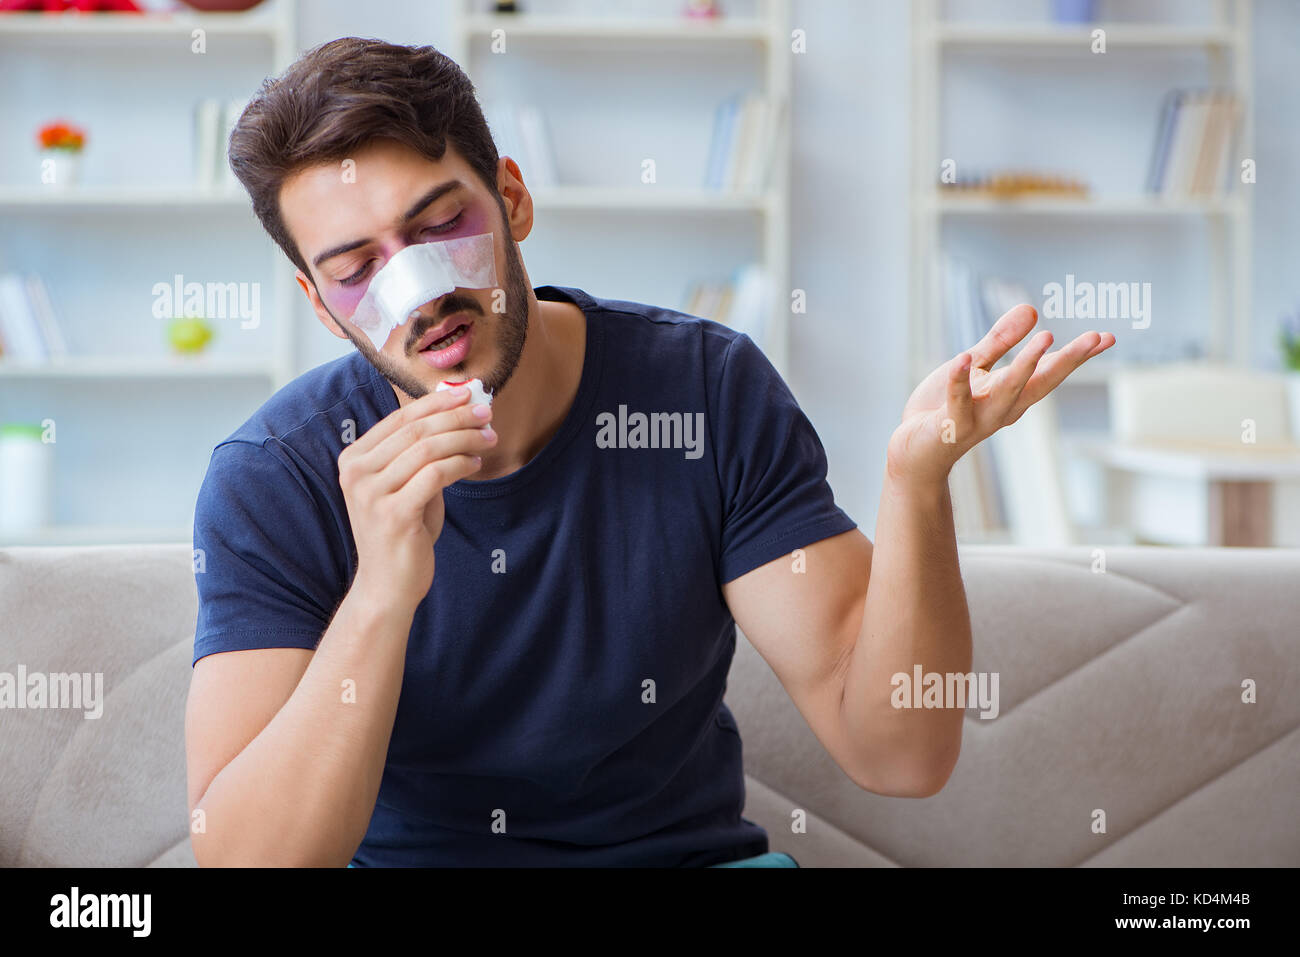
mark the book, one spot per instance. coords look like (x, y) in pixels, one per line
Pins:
(775, 117)
(39, 299)
(1164, 134)
(207, 129)
(19, 327)
(1192, 152)
(750, 305)
(519, 131)
(741, 142)
(724, 120)
(537, 146)
(1186, 144)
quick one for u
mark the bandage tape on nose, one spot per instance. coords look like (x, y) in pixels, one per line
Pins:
(421, 273)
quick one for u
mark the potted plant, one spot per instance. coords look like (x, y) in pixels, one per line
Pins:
(61, 145)
(1289, 340)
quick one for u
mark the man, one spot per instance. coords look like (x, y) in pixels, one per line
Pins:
(433, 632)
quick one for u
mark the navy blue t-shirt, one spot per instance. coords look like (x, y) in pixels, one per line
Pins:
(565, 674)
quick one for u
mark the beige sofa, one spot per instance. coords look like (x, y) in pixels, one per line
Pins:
(1119, 691)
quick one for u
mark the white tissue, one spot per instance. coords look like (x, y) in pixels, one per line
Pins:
(477, 394)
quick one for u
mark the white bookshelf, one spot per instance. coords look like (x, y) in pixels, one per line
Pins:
(577, 30)
(267, 34)
(1057, 39)
(267, 21)
(88, 199)
(126, 370)
(556, 37)
(1225, 44)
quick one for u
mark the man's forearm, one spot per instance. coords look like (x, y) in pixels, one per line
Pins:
(302, 792)
(915, 613)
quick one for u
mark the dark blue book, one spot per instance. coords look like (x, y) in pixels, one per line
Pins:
(1169, 113)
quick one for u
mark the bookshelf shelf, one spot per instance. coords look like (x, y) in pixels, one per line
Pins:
(1110, 206)
(162, 367)
(82, 28)
(652, 199)
(561, 30)
(90, 198)
(1060, 39)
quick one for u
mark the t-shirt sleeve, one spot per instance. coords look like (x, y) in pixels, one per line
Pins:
(266, 561)
(771, 464)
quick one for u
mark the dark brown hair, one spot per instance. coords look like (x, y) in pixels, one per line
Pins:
(340, 95)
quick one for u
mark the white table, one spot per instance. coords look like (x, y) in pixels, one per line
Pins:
(1240, 477)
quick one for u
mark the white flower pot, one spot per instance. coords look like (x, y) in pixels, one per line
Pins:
(60, 169)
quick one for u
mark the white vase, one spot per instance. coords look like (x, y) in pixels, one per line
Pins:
(60, 168)
(1293, 402)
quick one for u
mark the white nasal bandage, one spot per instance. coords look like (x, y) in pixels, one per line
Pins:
(477, 394)
(419, 274)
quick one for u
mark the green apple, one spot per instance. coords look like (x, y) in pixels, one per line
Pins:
(189, 335)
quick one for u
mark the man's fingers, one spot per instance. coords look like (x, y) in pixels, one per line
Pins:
(1054, 369)
(1017, 375)
(1013, 326)
(431, 448)
(413, 433)
(428, 403)
(434, 477)
(960, 401)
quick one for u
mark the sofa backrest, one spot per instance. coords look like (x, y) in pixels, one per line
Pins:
(1119, 691)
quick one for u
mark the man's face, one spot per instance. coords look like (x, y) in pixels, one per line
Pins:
(348, 221)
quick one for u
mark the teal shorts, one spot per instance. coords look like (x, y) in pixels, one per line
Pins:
(770, 859)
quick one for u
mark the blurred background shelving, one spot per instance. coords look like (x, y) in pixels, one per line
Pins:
(134, 419)
(1070, 107)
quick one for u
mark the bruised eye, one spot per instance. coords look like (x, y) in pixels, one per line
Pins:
(356, 277)
(444, 227)
(360, 274)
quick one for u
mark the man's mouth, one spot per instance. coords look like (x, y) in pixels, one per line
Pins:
(447, 339)
(448, 343)
(444, 333)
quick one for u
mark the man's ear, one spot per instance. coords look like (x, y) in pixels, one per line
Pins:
(309, 288)
(519, 202)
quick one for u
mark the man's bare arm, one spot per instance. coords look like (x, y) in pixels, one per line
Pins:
(297, 787)
(286, 747)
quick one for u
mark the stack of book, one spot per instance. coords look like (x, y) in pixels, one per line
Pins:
(520, 133)
(1192, 155)
(740, 152)
(213, 122)
(972, 303)
(742, 302)
(29, 331)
